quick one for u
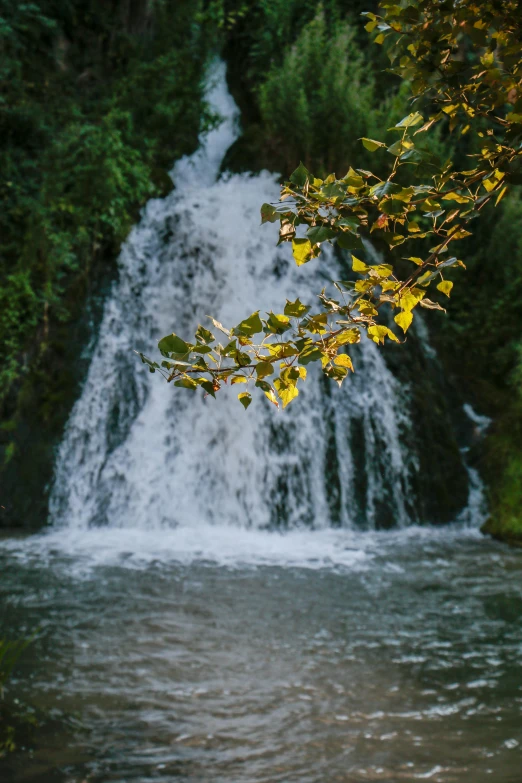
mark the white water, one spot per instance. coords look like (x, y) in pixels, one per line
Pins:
(170, 467)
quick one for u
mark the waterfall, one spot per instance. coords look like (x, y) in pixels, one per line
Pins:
(140, 454)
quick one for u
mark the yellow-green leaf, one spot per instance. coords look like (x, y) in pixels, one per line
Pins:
(245, 399)
(358, 265)
(263, 369)
(350, 336)
(343, 360)
(371, 144)
(378, 332)
(404, 320)
(301, 250)
(286, 391)
(445, 286)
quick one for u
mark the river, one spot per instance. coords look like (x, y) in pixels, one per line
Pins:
(216, 597)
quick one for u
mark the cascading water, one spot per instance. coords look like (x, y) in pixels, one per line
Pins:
(138, 453)
(162, 629)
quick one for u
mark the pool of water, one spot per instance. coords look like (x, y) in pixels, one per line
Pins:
(313, 657)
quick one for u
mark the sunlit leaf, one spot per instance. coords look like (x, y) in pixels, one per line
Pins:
(445, 286)
(371, 144)
(245, 399)
(302, 251)
(404, 320)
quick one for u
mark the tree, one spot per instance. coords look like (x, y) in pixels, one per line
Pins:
(463, 62)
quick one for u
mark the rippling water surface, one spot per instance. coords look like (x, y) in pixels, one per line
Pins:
(382, 657)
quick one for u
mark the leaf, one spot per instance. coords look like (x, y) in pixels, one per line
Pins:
(286, 391)
(319, 234)
(460, 199)
(245, 399)
(400, 146)
(404, 320)
(200, 348)
(173, 344)
(310, 353)
(392, 206)
(378, 332)
(343, 360)
(366, 308)
(501, 195)
(250, 326)
(238, 379)
(448, 262)
(349, 241)
(371, 144)
(269, 214)
(411, 299)
(282, 350)
(445, 286)
(415, 260)
(302, 251)
(350, 337)
(462, 234)
(295, 309)
(316, 323)
(219, 326)
(300, 176)
(263, 369)
(278, 324)
(409, 122)
(186, 383)
(381, 271)
(358, 265)
(204, 336)
(353, 180)
(334, 190)
(337, 374)
(152, 365)
(429, 305)
(382, 189)
(209, 388)
(349, 222)
(271, 396)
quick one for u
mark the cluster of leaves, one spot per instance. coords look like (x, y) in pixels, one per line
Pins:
(464, 62)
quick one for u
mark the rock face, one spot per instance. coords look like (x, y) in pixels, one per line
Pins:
(439, 430)
(37, 411)
(503, 471)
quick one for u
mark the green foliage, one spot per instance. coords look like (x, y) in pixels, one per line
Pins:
(94, 101)
(486, 314)
(420, 199)
(318, 102)
(504, 464)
